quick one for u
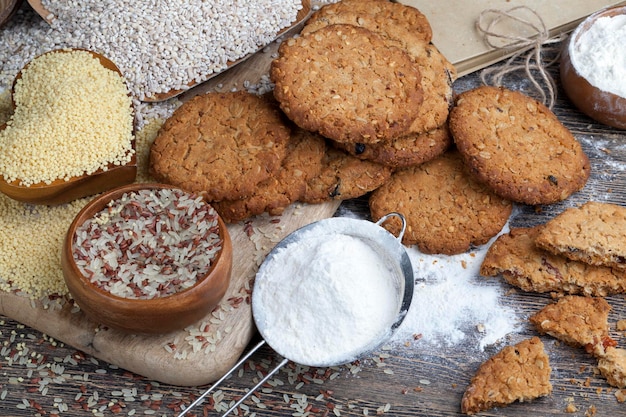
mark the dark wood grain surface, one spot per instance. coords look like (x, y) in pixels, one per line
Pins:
(40, 376)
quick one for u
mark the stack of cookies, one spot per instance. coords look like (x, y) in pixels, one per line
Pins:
(364, 74)
(363, 103)
(359, 93)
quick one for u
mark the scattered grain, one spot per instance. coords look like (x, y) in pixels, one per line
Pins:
(30, 246)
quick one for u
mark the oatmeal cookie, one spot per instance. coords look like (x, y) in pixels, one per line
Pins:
(578, 321)
(412, 149)
(396, 20)
(220, 144)
(517, 146)
(446, 210)
(522, 264)
(594, 233)
(438, 75)
(302, 162)
(347, 84)
(344, 176)
(516, 373)
(612, 366)
(406, 28)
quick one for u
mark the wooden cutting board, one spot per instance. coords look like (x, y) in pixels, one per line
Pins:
(225, 333)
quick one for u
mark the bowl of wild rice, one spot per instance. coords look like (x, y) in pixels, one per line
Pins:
(147, 258)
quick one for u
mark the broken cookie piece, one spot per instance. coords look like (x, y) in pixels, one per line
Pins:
(577, 321)
(521, 263)
(516, 373)
(594, 233)
(612, 366)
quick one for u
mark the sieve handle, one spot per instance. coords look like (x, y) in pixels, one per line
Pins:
(394, 214)
(227, 374)
(257, 386)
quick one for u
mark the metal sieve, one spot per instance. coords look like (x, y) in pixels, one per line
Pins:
(388, 246)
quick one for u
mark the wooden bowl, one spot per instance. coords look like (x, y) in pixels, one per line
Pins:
(8, 9)
(61, 191)
(146, 316)
(603, 106)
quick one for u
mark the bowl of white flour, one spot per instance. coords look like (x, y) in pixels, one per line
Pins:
(593, 67)
(333, 291)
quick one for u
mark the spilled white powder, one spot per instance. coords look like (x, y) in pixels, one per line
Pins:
(325, 300)
(599, 54)
(452, 302)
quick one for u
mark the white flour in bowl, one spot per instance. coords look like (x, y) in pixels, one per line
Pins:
(599, 54)
(326, 299)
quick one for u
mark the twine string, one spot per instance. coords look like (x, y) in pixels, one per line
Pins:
(532, 45)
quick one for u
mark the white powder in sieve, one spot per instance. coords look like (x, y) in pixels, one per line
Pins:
(325, 300)
(599, 54)
(451, 302)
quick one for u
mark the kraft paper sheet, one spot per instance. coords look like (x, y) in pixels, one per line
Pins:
(454, 25)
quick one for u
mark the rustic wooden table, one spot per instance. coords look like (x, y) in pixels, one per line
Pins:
(41, 376)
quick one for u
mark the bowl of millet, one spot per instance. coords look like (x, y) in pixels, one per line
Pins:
(71, 134)
(147, 259)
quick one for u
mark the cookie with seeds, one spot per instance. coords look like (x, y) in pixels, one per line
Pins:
(302, 162)
(446, 210)
(406, 28)
(412, 149)
(594, 233)
(438, 75)
(578, 321)
(517, 146)
(344, 176)
(517, 373)
(396, 20)
(345, 83)
(521, 263)
(221, 144)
